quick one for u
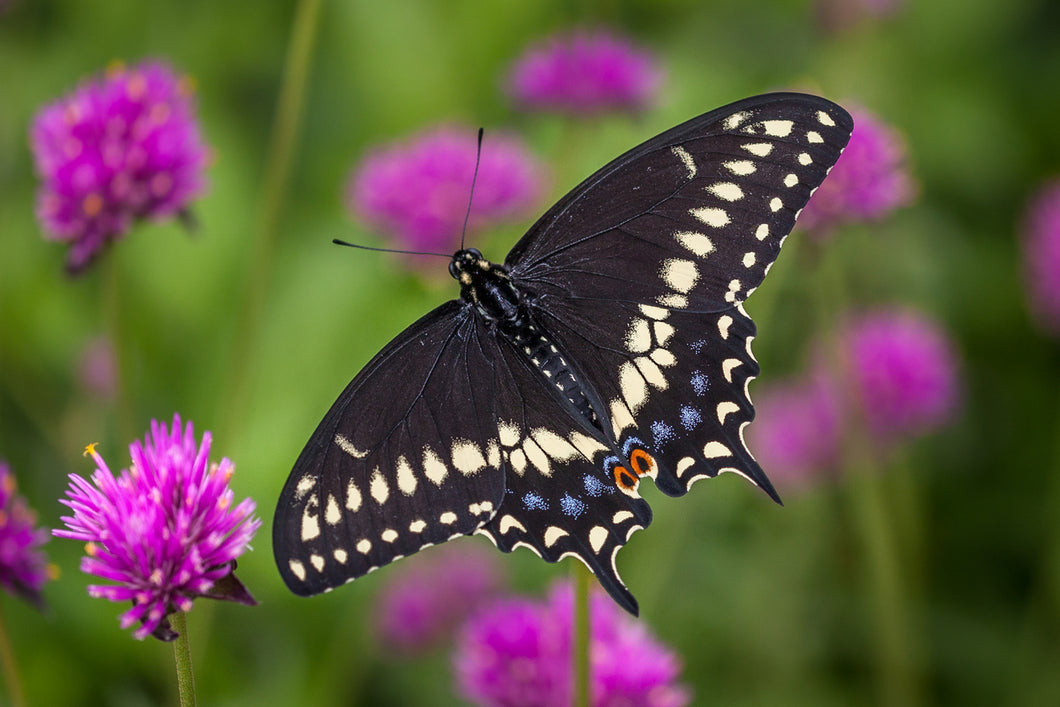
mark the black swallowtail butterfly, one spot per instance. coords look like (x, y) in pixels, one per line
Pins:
(612, 345)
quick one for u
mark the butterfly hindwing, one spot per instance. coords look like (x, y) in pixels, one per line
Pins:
(691, 219)
(397, 463)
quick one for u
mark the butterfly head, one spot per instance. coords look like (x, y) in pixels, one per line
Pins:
(465, 263)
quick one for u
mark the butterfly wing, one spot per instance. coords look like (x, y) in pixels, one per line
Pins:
(406, 457)
(638, 274)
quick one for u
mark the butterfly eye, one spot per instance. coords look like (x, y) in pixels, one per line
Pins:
(475, 252)
(641, 462)
(453, 270)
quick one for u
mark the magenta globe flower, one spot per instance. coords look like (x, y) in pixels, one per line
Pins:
(870, 180)
(517, 653)
(1041, 257)
(426, 599)
(904, 372)
(797, 430)
(23, 567)
(164, 531)
(121, 148)
(418, 191)
(584, 72)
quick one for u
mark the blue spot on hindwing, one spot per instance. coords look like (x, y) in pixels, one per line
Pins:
(594, 487)
(534, 502)
(572, 506)
(690, 417)
(700, 382)
(697, 346)
(661, 433)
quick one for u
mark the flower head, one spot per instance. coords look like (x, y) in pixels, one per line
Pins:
(418, 191)
(23, 566)
(582, 73)
(797, 429)
(869, 180)
(119, 148)
(164, 531)
(1041, 256)
(517, 653)
(422, 604)
(903, 371)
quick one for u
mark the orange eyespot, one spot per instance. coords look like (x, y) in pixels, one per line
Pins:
(624, 479)
(641, 462)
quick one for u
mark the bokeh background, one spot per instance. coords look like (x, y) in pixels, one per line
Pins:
(927, 575)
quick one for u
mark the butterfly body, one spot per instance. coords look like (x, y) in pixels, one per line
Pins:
(610, 346)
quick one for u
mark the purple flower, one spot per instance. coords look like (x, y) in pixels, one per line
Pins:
(120, 148)
(869, 180)
(418, 191)
(797, 430)
(517, 653)
(903, 371)
(584, 72)
(1041, 256)
(164, 531)
(23, 566)
(426, 599)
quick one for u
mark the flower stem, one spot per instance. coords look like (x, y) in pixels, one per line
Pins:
(285, 129)
(182, 655)
(581, 635)
(7, 658)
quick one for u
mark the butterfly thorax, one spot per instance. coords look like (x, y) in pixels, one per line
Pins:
(489, 289)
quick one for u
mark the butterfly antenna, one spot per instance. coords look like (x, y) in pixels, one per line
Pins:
(474, 178)
(338, 241)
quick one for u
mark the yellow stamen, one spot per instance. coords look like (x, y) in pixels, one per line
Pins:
(90, 549)
(53, 572)
(92, 204)
(90, 449)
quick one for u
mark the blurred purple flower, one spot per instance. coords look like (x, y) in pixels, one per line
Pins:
(517, 653)
(23, 567)
(584, 72)
(870, 180)
(120, 148)
(97, 368)
(904, 372)
(1041, 256)
(418, 191)
(426, 599)
(164, 530)
(797, 430)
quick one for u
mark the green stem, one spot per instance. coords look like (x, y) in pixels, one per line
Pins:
(182, 655)
(7, 658)
(582, 579)
(285, 129)
(112, 311)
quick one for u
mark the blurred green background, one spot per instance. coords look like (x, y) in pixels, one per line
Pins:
(934, 579)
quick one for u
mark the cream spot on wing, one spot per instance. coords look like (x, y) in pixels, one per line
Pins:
(775, 204)
(663, 357)
(814, 137)
(805, 159)
(726, 190)
(654, 312)
(597, 537)
(673, 301)
(509, 522)
(553, 534)
(634, 387)
(417, 526)
(364, 546)
(389, 535)
(762, 231)
(484, 508)
(378, 487)
(724, 322)
(586, 445)
(537, 457)
(734, 120)
(508, 433)
(777, 128)
(621, 517)
(713, 450)
(346, 445)
(554, 445)
(727, 367)
(734, 287)
(725, 409)
(518, 460)
(698, 243)
(433, 466)
(791, 180)
(447, 518)
(621, 417)
(825, 119)
(332, 514)
(305, 485)
(711, 215)
(748, 259)
(317, 561)
(686, 159)
(638, 338)
(493, 454)
(683, 465)
(297, 569)
(406, 480)
(679, 274)
(340, 556)
(310, 522)
(353, 497)
(760, 149)
(651, 372)
(741, 168)
(663, 332)
(467, 457)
